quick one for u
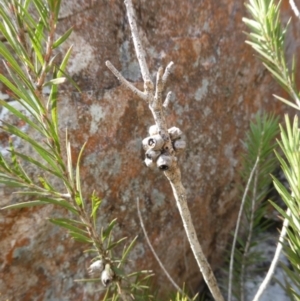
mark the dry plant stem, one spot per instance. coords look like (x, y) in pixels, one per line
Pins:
(275, 260)
(167, 100)
(126, 83)
(237, 230)
(153, 251)
(248, 241)
(294, 8)
(174, 177)
(137, 43)
(154, 99)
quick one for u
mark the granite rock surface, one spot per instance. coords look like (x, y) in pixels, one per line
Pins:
(218, 86)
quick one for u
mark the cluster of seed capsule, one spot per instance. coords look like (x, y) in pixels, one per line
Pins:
(157, 156)
(98, 268)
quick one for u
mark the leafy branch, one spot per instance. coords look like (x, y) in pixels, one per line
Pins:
(267, 37)
(290, 164)
(258, 164)
(28, 47)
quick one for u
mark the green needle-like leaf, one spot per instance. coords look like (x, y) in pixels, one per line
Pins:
(64, 62)
(43, 12)
(127, 251)
(43, 201)
(80, 237)
(107, 231)
(45, 154)
(96, 202)
(39, 165)
(12, 63)
(69, 226)
(63, 38)
(69, 159)
(23, 205)
(78, 181)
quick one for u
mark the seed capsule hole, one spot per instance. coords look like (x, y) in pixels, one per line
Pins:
(151, 142)
(164, 167)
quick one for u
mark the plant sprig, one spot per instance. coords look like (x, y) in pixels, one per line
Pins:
(290, 164)
(267, 38)
(28, 48)
(258, 164)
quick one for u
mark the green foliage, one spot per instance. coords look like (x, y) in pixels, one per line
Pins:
(184, 297)
(290, 164)
(28, 28)
(28, 47)
(139, 286)
(267, 36)
(258, 163)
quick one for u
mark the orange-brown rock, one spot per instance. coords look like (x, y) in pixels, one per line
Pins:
(218, 85)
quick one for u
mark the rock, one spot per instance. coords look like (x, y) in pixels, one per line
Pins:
(218, 85)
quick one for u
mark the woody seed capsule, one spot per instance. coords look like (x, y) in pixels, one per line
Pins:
(174, 133)
(155, 142)
(164, 162)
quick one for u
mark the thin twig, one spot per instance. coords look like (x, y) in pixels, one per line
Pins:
(237, 230)
(159, 86)
(140, 53)
(126, 83)
(167, 73)
(167, 100)
(294, 8)
(153, 251)
(275, 260)
(249, 237)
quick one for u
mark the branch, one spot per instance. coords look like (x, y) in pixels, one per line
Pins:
(140, 53)
(162, 147)
(205, 268)
(275, 260)
(249, 236)
(153, 251)
(167, 100)
(294, 8)
(126, 83)
(167, 73)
